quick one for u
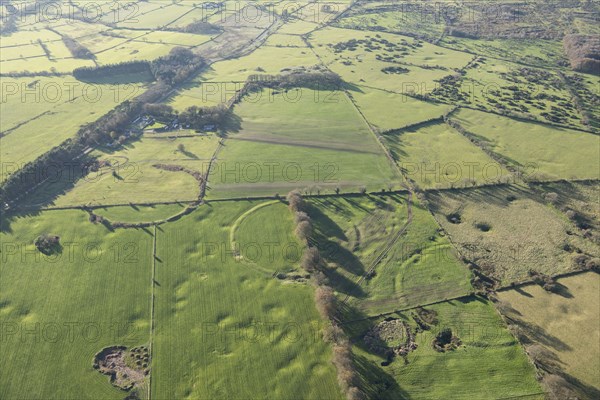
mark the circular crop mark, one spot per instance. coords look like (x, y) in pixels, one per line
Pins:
(454, 218)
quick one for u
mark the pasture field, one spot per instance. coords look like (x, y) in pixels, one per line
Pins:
(131, 176)
(489, 363)
(265, 60)
(540, 151)
(386, 111)
(285, 40)
(507, 231)
(303, 117)
(566, 325)
(379, 15)
(229, 317)
(91, 293)
(436, 156)
(251, 168)
(420, 267)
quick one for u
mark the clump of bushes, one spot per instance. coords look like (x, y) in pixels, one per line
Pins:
(47, 244)
(446, 341)
(545, 281)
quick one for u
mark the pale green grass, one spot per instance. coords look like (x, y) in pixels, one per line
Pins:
(437, 156)
(68, 306)
(543, 152)
(315, 118)
(387, 111)
(135, 214)
(137, 180)
(489, 364)
(233, 325)
(248, 168)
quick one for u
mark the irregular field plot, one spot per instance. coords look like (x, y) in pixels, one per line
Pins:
(135, 214)
(387, 111)
(420, 268)
(543, 152)
(132, 178)
(488, 364)
(566, 325)
(395, 65)
(229, 318)
(65, 307)
(507, 231)
(437, 156)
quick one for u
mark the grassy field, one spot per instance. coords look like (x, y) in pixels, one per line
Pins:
(488, 364)
(540, 151)
(387, 111)
(567, 325)
(502, 86)
(136, 214)
(251, 168)
(132, 178)
(303, 117)
(542, 53)
(507, 231)
(437, 156)
(233, 324)
(65, 307)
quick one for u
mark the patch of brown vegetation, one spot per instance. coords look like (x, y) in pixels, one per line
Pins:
(126, 369)
(583, 52)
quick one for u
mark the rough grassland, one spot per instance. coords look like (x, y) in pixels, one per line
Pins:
(507, 231)
(64, 308)
(566, 325)
(546, 150)
(239, 331)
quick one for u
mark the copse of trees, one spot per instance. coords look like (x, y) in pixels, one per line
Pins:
(197, 117)
(179, 65)
(308, 79)
(128, 67)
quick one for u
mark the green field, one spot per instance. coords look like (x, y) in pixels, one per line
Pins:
(387, 111)
(421, 267)
(229, 318)
(131, 176)
(437, 156)
(488, 364)
(94, 293)
(540, 152)
(567, 325)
